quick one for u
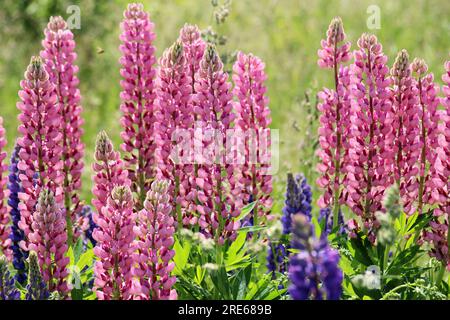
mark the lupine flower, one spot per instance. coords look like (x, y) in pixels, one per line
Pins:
(5, 229)
(59, 56)
(298, 200)
(49, 240)
(154, 243)
(407, 143)
(36, 287)
(215, 109)
(369, 163)
(314, 271)
(173, 97)
(334, 120)
(109, 172)
(254, 118)
(193, 50)
(429, 131)
(114, 247)
(326, 215)
(276, 255)
(40, 143)
(17, 235)
(439, 233)
(7, 289)
(137, 98)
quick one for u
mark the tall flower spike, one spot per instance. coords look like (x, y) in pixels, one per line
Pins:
(174, 114)
(438, 236)
(253, 119)
(17, 235)
(59, 56)
(109, 172)
(114, 248)
(334, 120)
(36, 287)
(137, 98)
(298, 200)
(314, 271)
(371, 139)
(49, 240)
(8, 290)
(154, 242)
(40, 143)
(193, 50)
(217, 172)
(407, 142)
(429, 133)
(5, 229)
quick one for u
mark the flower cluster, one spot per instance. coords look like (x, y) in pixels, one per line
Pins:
(215, 109)
(4, 216)
(314, 271)
(253, 119)
(298, 200)
(429, 131)
(59, 56)
(114, 248)
(438, 235)
(7, 289)
(407, 142)
(48, 239)
(36, 288)
(40, 143)
(154, 241)
(193, 50)
(173, 95)
(138, 98)
(371, 135)
(109, 172)
(334, 120)
(17, 235)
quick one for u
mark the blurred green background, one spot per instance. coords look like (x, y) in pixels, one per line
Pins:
(284, 33)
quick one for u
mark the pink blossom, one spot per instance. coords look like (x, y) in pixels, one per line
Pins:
(155, 239)
(114, 248)
(429, 131)
(332, 53)
(137, 98)
(440, 171)
(4, 193)
(193, 51)
(48, 239)
(370, 153)
(334, 125)
(407, 142)
(174, 114)
(253, 116)
(59, 56)
(219, 192)
(109, 172)
(40, 142)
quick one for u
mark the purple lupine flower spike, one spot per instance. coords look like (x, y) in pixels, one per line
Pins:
(314, 271)
(17, 235)
(7, 289)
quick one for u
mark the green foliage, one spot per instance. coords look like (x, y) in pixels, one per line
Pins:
(208, 271)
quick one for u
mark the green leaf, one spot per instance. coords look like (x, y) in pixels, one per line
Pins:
(78, 249)
(246, 211)
(181, 256)
(252, 229)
